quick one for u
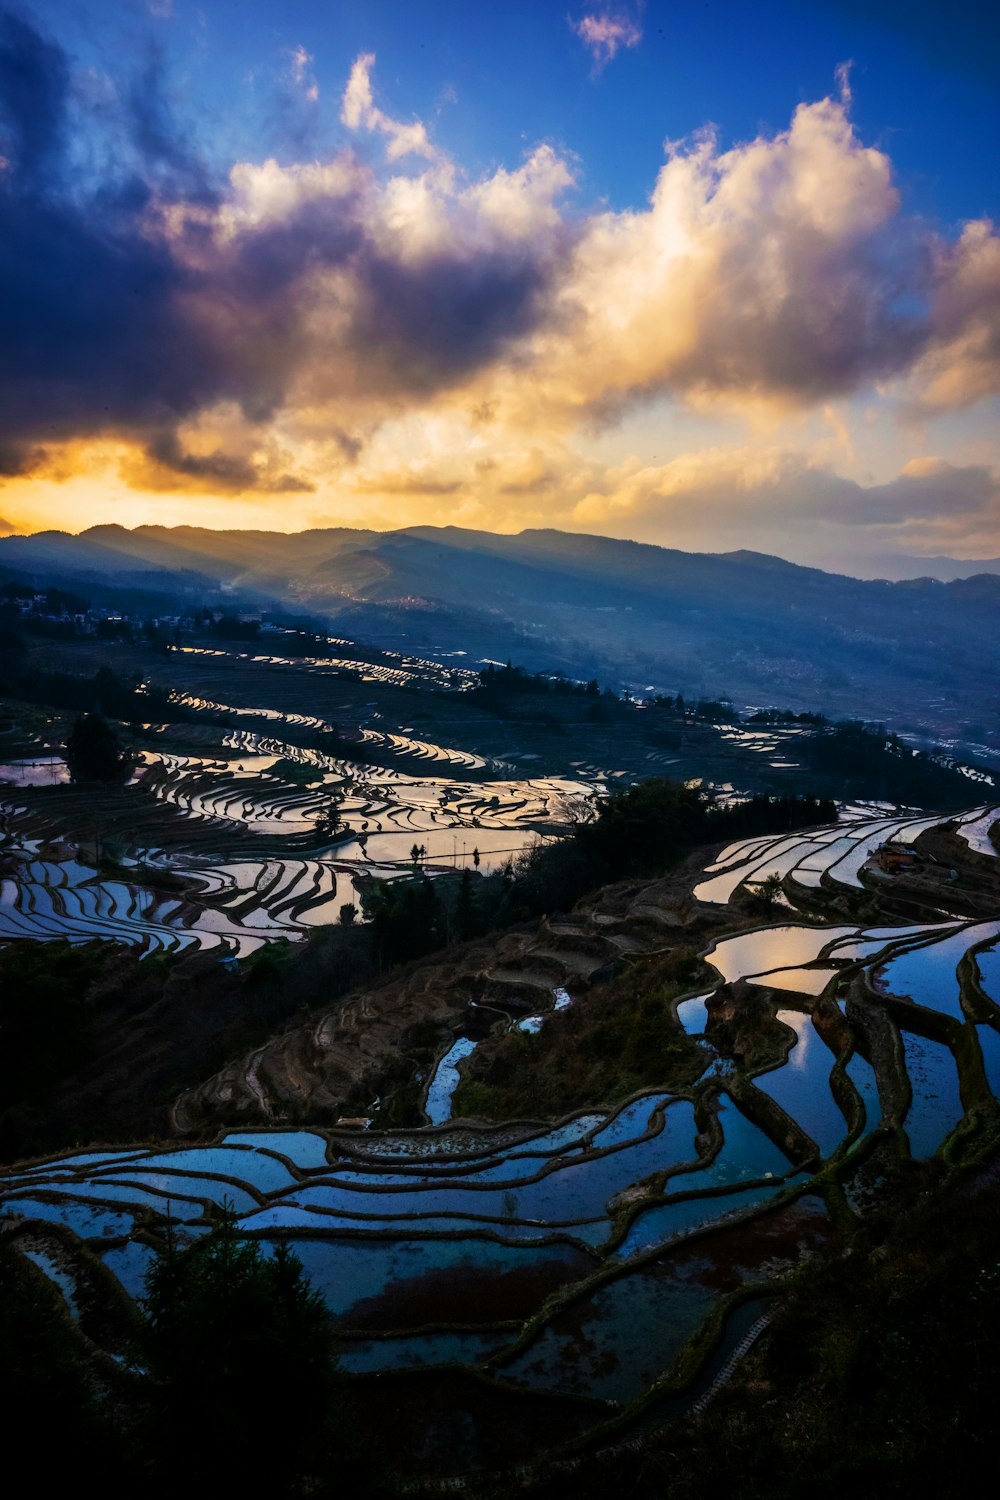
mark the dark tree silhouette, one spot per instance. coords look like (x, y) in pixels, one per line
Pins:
(239, 1346)
(93, 752)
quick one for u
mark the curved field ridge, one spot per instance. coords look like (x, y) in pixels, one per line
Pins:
(586, 1252)
(843, 855)
(585, 1258)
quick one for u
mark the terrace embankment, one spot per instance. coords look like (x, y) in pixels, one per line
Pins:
(378, 1039)
(98, 1041)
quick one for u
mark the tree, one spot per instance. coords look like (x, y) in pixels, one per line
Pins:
(93, 752)
(406, 918)
(465, 914)
(238, 1345)
(769, 888)
(348, 914)
(44, 1370)
(329, 823)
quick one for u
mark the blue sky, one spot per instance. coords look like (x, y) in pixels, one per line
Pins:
(494, 79)
(495, 215)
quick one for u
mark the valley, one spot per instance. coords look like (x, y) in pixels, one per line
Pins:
(557, 1163)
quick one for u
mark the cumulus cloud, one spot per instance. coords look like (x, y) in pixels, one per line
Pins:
(779, 271)
(604, 34)
(312, 290)
(960, 363)
(257, 332)
(358, 111)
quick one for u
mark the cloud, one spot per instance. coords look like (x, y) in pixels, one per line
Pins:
(783, 501)
(302, 75)
(257, 332)
(960, 362)
(359, 112)
(778, 272)
(311, 290)
(605, 34)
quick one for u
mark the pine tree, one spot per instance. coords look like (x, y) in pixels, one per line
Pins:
(93, 752)
(239, 1346)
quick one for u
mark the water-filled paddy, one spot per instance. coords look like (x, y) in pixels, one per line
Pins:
(614, 1342)
(263, 1172)
(437, 1106)
(936, 1106)
(224, 1195)
(175, 1200)
(131, 1263)
(693, 1014)
(410, 1283)
(56, 1274)
(927, 974)
(302, 1147)
(87, 1220)
(802, 1085)
(457, 1225)
(768, 948)
(656, 1226)
(358, 1356)
(746, 1154)
(580, 1189)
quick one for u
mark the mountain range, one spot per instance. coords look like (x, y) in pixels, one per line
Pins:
(920, 653)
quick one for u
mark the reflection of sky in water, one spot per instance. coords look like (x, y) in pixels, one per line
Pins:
(936, 1105)
(989, 1041)
(361, 1355)
(85, 1219)
(300, 1146)
(437, 1106)
(130, 1263)
(988, 963)
(927, 975)
(772, 948)
(346, 1272)
(693, 1014)
(802, 1087)
(266, 1174)
(805, 981)
(44, 1261)
(659, 1224)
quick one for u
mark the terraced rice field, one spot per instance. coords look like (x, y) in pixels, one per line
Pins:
(205, 819)
(578, 1257)
(390, 667)
(828, 858)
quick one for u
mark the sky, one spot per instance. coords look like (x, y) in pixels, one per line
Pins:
(712, 275)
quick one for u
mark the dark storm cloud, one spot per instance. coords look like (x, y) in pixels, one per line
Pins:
(34, 80)
(88, 339)
(198, 319)
(110, 324)
(169, 157)
(221, 471)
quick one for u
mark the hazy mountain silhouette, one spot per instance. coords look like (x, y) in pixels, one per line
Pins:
(743, 623)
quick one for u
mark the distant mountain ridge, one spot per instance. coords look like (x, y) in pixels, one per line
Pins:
(744, 623)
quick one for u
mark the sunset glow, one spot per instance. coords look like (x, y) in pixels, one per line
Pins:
(387, 265)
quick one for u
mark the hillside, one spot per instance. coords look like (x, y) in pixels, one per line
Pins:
(919, 652)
